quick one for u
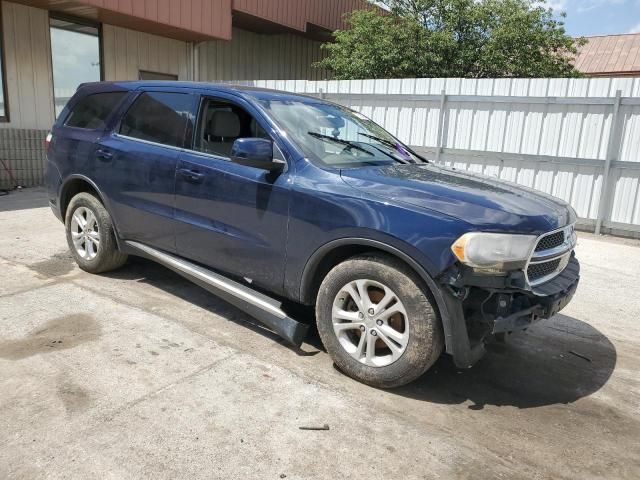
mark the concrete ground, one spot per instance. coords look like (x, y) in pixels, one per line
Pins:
(139, 373)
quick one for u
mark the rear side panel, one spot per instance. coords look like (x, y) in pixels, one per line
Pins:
(71, 152)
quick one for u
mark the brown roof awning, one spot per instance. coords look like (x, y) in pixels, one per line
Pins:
(198, 20)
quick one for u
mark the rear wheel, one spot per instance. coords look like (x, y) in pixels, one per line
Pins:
(91, 236)
(377, 322)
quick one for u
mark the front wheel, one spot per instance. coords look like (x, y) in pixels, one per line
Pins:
(377, 321)
(91, 236)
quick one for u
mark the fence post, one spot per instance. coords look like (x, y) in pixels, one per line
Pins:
(612, 153)
(443, 102)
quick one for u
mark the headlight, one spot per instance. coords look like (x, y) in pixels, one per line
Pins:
(493, 251)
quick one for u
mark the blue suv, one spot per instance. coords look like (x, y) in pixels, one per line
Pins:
(272, 200)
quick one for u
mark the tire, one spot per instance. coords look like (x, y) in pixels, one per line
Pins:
(417, 336)
(90, 256)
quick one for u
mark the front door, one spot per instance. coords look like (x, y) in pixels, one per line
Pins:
(139, 161)
(231, 217)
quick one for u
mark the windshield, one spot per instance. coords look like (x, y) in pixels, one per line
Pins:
(335, 136)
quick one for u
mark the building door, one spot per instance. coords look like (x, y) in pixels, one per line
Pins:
(147, 75)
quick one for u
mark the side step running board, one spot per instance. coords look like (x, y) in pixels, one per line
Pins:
(262, 307)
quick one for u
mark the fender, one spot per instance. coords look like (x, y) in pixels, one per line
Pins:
(456, 335)
(76, 176)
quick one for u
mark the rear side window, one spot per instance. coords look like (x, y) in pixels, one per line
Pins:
(159, 117)
(92, 111)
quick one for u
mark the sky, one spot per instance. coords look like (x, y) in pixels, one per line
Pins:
(599, 17)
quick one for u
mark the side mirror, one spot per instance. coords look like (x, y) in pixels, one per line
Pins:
(256, 153)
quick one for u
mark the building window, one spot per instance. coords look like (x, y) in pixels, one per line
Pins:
(4, 106)
(75, 57)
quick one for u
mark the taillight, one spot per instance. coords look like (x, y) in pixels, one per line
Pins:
(47, 141)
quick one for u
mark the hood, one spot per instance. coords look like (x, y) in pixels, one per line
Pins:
(485, 202)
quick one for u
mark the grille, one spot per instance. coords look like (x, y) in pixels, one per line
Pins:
(550, 241)
(539, 270)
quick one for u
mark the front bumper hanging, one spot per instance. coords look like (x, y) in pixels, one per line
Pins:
(549, 299)
(489, 305)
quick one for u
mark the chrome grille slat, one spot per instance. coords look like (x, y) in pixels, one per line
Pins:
(550, 255)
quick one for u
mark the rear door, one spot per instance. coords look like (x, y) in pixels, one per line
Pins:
(232, 217)
(139, 160)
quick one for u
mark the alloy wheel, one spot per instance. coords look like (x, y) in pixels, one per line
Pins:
(84, 233)
(370, 322)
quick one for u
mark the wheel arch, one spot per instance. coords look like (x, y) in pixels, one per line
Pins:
(72, 186)
(332, 253)
(336, 251)
(75, 184)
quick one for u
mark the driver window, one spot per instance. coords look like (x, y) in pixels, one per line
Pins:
(222, 123)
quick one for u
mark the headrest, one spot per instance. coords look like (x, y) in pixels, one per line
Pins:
(224, 124)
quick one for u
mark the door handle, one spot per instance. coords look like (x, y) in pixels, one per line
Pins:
(192, 176)
(104, 155)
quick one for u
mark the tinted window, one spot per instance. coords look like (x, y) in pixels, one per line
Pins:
(92, 111)
(159, 117)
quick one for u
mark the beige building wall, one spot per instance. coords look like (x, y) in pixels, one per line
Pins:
(126, 52)
(28, 66)
(253, 56)
(249, 56)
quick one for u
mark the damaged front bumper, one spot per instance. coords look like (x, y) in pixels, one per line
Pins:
(480, 306)
(546, 301)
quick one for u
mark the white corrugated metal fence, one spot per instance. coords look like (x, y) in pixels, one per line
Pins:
(561, 136)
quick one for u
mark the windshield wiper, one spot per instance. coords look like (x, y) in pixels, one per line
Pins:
(393, 145)
(356, 146)
(340, 141)
(391, 155)
(381, 140)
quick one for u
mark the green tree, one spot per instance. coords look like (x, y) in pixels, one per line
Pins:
(453, 38)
